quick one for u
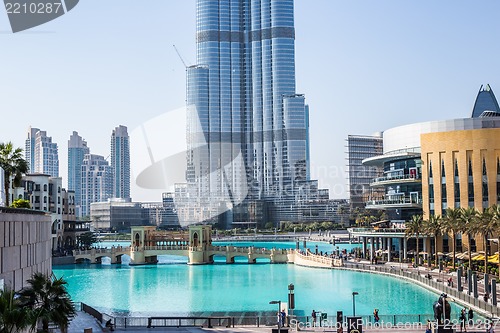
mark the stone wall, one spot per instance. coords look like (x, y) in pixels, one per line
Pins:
(25, 246)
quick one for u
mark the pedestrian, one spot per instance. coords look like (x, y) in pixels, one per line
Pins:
(462, 320)
(283, 318)
(486, 297)
(313, 315)
(470, 316)
(429, 327)
(376, 317)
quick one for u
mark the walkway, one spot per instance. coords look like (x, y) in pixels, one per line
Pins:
(84, 321)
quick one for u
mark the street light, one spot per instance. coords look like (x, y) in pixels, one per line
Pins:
(354, 293)
(279, 313)
(291, 299)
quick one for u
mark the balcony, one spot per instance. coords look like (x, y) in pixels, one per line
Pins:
(412, 201)
(396, 179)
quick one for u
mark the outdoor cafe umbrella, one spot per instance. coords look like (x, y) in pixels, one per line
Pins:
(493, 259)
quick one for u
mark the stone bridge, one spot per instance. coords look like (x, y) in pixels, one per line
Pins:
(95, 255)
(148, 243)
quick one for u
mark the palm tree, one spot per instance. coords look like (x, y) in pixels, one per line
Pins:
(468, 217)
(49, 300)
(486, 226)
(414, 227)
(13, 164)
(495, 212)
(433, 227)
(13, 316)
(452, 226)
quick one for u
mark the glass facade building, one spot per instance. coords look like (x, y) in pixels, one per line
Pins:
(247, 127)
(97, 181)
(485, 101)
(360, 147)
(77, 149)
(41, 153)
(120, 162)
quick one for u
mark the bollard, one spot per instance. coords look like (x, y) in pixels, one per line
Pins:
(474, 285)
(459, 279)
(494, 292)
(469, 281)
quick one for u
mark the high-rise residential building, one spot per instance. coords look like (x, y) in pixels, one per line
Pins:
(41, 153)
(485, 101)
(120, 162)
(29, 149)
(247, 126)
(97, 181)
(77, 149)
(360, 147)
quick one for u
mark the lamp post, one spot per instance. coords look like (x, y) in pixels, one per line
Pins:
(291, 298)
(279, 313)
(354, 293)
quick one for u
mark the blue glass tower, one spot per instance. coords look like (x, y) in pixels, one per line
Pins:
(243, 104)
(485, 101)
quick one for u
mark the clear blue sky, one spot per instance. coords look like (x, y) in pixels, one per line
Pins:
(365, 66)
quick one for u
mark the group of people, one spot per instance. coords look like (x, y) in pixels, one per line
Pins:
(464, 317)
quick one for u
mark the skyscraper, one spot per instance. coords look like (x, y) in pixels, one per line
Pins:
(29, 149)
(485, 101)
(360, 147)
(120, 162)
(247, 126)
(41, 153)
(97, 181)
(77, 149)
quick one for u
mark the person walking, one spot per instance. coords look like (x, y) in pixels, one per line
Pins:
(283, 318)
(462, 320)
(376, 318)
(470, 316)
(313, 315)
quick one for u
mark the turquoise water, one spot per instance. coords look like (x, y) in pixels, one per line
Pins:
(180, 289)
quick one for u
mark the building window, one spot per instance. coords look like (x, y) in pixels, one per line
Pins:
(484, 167)
(430, 169)
(470, 190)
(45, 187)
(457, 192)
(470, 168)
(443, 173)
(431, 193)
(456, 168)
(443, 193)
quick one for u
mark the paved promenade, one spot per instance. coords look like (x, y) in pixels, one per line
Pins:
(84, 321)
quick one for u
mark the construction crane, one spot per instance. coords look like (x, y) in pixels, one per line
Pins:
(180, 57)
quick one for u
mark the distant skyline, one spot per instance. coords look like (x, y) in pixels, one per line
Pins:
(364, 66)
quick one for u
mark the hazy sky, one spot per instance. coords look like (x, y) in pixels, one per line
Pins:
(364, 66)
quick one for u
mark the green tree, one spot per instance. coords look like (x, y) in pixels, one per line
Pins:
(414, 227)
(451, 226)
(469, 226)
(87, 239)
(21, 203)
(49, 300)
(433, 227)
(485, 227)
(495, 212)
(14, 317)
(13, 164)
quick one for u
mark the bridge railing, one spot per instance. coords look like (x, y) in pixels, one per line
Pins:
(327, 261)
(102, 250)
(164, 248)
